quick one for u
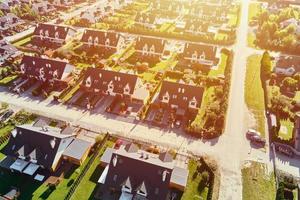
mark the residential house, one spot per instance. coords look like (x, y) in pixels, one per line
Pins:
(202, 55)
(109, 82)
(150, 47)
(92, 16)
(196, 27)
(9, 21)
(180, 96)
(137, 174)
(52, 36)
(4, 7)
(63, 2)
(43, 8)
(46, 70)
(146, 20)
(100, 42)
(7, 51)
(33, 147)
(287, 65)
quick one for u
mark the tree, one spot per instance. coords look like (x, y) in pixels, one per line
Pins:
(266, 65)
(289, 82)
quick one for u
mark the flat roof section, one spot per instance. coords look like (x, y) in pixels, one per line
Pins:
(77, 149)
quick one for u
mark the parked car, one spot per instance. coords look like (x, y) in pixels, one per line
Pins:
(257, 140)
(6, 115)
(251, 133)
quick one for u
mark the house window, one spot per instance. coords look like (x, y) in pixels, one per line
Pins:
(47, 33)
(107, 42)
(202, 57)
(56, 35)
(152, 49)
(13, 147)
(88, 82)
(90, 40)
(194, 56)
(156, 191)
(145, 49)
(96, 41)
(193, 103)
(192, 28)
(185, 98)
(46, 156)
(174, 96)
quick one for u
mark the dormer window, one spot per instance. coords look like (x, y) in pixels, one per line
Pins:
(194, 56)
(202, 57)
(164, 175)
(96, 41)
(22, 68)
(152, 49)
(115, 161)
(90, 40)
(56, 35)
(41, 32)
(126, 89)
(47, 33)
(166, 97)
(52, 143)
(13, 147)
(55, 74)
(88, 82)
(145, 49)
(193, 102)
(107, 42)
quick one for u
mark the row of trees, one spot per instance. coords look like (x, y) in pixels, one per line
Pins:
(215, 111)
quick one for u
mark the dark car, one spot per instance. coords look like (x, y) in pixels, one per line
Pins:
(251, 133)
(6, 115)
(257, 140)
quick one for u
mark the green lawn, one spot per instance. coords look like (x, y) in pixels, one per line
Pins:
(221, 67)
(254, 94)
(62, 189)
(254, 10)
(89, 181)
(297, 96)
(208, 97)
(251, 39)
(221, 36)
(286, 129)
(233, 20)
(192, 190)
(6, 129)
(23, 41)
(70, 94)
(8, 79)
(257, 184)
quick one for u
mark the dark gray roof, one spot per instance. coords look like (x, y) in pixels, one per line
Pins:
(33, 142)
(77, 149)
